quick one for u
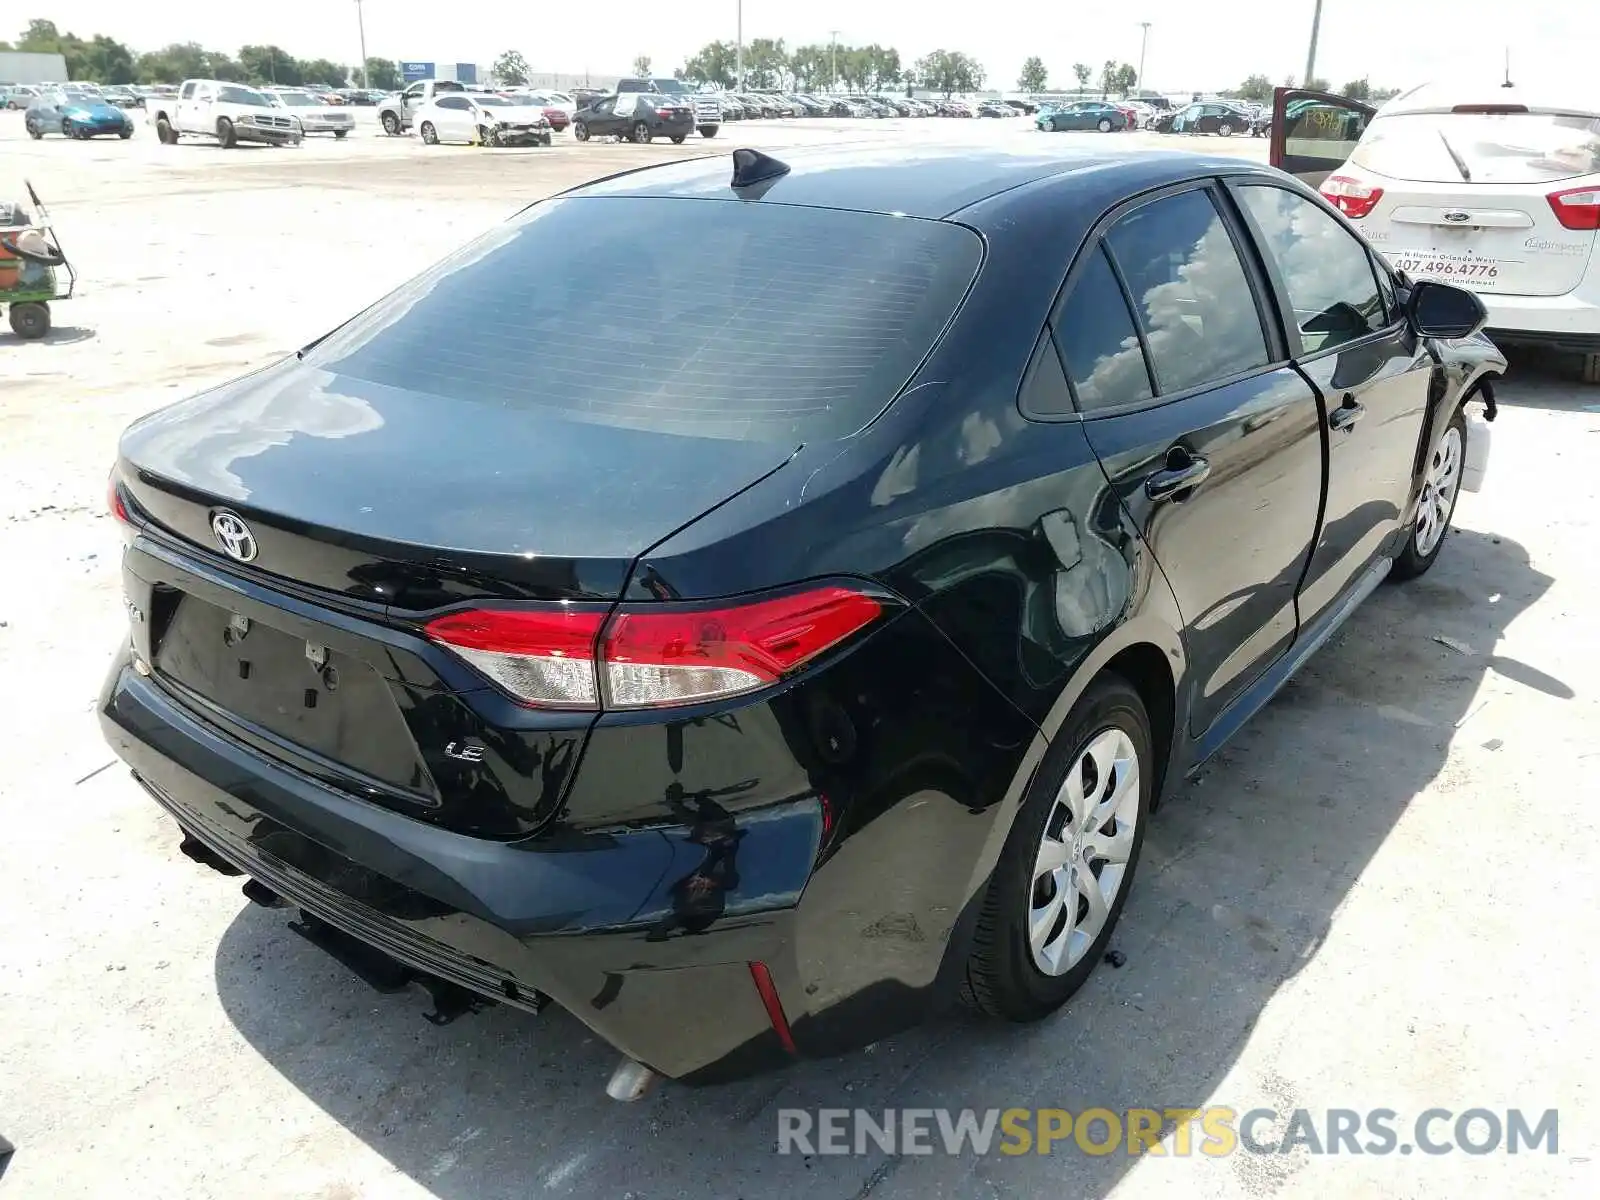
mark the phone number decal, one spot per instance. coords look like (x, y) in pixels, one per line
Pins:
(1445, 267)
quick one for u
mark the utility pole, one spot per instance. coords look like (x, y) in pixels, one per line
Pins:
(361, 28)
(1144, 42)
(738, 67)
(1311, 54)
(833, 35)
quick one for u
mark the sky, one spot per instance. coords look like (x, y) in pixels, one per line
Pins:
(1395, 43)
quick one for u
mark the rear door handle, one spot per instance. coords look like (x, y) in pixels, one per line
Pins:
(1177, 477)
(1346, 415)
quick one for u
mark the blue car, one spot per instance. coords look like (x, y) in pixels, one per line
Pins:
(75, 114)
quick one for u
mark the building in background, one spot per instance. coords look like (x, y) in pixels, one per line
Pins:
(17, 66)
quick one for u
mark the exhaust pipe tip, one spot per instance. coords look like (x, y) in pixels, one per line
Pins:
(631, 1081)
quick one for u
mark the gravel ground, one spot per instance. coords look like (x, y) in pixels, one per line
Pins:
(1383, 895)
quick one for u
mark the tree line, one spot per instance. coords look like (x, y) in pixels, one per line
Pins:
(101, 59)
(1259, 89)
(770, 63)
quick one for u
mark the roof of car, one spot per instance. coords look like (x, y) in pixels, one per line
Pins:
(1442, 96)
(915, 181)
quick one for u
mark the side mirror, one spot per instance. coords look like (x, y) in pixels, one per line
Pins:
(1439, 310)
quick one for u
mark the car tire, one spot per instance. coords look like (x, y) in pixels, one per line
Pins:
(1104, 743)
(34, 131)
(30, 321)
(709, 131)
(391, 124)
(430, 135)
(580, 131)
(546, 140)
(1225, 129)
(339, 134)
(641, 134)
(125, 134)
(165, 134)
(1441, 488)
(1105, 125)
(678, 138)
(225, 137)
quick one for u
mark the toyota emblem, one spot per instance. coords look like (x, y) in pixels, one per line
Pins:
(234, 536)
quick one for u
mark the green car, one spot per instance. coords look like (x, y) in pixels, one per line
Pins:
(1082, 114)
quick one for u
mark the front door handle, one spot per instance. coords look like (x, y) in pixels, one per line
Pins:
(1182, 472)
(1346, 415)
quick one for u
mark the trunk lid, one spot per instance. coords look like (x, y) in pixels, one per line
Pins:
(415, 501)
(360, 507)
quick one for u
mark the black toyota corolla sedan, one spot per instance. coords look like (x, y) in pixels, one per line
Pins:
(752, 683)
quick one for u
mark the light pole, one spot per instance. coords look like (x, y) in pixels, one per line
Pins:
(1311, 53)
(738, 62)
(361, 28)
(833, 71)
(1144, 42)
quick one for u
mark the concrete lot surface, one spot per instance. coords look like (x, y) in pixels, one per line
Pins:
(1384, 895)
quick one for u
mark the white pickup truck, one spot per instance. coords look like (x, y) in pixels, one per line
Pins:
(398, 111)
(229, 112)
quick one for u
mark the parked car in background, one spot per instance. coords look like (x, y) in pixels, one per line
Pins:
(636, 116)
(707, 110)
(670, 679)
(314, 115)
(555, 113)
(397, 111)
(75, 113)
(230, 113)
(20, 96)
(482, 120)
(996, 108)
(1492, 188)
(122, 97)
(1224, 120)
(1083, 114)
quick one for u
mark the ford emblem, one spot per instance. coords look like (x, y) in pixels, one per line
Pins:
(1457, 217)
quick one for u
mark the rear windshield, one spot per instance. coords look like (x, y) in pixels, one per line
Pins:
(727, 319)
(1487, 148)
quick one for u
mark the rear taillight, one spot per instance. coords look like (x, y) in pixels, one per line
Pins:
(1578, 208)
(1350, 196)
(664, 113)
(115, 503)
(652, 655)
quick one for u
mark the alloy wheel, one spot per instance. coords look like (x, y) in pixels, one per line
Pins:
(1439, 486)
(1084, 852)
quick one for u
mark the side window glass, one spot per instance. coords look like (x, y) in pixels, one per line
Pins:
(1192, 296)
(188, 92)
(1044, 385)
(1325, 269)
(1099, 345)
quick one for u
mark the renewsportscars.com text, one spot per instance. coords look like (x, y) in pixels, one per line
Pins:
(1214, 1132)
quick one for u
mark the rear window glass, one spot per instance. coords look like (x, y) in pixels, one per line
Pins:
(726, 319)
(1481, 148)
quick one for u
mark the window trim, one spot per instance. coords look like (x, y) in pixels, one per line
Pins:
(1280, 288)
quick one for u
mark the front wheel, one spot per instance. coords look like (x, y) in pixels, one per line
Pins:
(30, 321)
(580, 131)
(1067, 866)
(1105, 125)
(165, 134)
(225, 137)
(1441, 488)
(391, 124)
(641, 133)
(34, 131)
(339, 134)
(430, 135)
(678, 138)
(707, 131)
(125, 133)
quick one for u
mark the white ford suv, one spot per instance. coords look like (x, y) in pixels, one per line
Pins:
(1496, 189)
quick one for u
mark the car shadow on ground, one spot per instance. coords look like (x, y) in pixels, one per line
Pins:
(59, 335)
(1242, 872)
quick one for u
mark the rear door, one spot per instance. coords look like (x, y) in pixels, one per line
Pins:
(1313, 133)
(194, 107)
(1209, 436)
(1372, 372)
